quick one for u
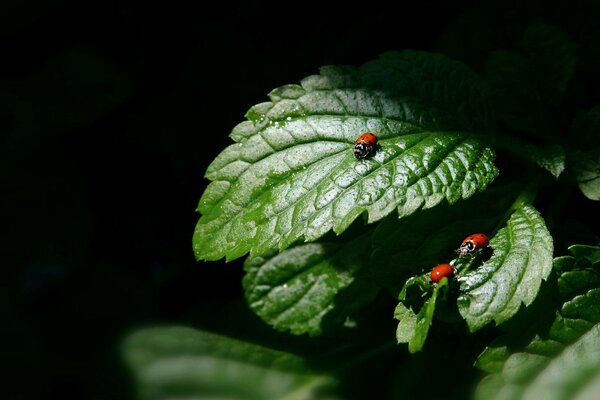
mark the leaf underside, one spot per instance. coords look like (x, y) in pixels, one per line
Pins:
(522, 258)
(292, 174)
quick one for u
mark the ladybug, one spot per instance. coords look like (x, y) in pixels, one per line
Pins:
(472, 243)
(365, 146)
(441, 271)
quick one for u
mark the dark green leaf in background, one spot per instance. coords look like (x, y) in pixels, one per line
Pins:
(527, 83)
(584, 158)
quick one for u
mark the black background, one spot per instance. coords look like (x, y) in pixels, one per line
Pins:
(110, 112)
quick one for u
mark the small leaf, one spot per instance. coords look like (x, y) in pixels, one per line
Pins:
(414, 328)
(309, 285)
(407, 323)
(551, 158)
(522, 258)
(560, 360)
(183, 363)
(292, 175)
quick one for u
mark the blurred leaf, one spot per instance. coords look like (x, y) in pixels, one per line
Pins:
(292, 175)
(560, 359)
(309, 285)
(184, 363)
(522, 258)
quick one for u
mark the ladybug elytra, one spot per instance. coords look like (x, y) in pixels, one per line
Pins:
(472, 243)
(441, 271)
(365, 146)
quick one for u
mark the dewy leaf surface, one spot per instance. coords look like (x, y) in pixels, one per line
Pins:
(561, 359)
(310, 285)
(292, 174)
(522, 258)
(183, 363)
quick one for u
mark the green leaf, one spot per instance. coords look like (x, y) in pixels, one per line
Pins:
(552, 56)
(522, 258)
(551, 158)
(183, 363)
(560, 359)
(414, 328)
(586, 171)
(292, 174)
(585, 162)
(312, 287)
(528, 83)
(409, 246)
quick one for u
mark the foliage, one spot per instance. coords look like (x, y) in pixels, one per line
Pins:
(332, 240)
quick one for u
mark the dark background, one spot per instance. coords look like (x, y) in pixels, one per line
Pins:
(110, 112)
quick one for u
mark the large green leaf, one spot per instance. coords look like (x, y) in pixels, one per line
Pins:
(292, 174)
(522, 258)
(311, 285)
(558, 359)
(184, 363)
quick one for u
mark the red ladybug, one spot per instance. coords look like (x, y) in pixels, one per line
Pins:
(472, 243)
(441, 271)
(365, 146)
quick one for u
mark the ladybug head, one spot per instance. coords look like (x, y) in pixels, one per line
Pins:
(361, 150)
